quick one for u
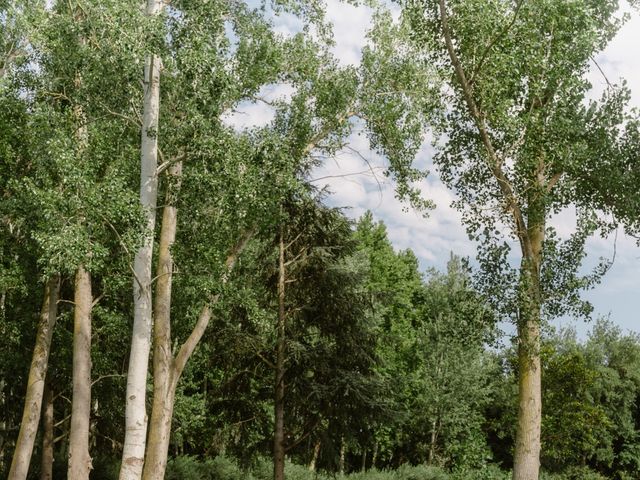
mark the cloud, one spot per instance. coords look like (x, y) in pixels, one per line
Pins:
(258, 113)
(350, 25)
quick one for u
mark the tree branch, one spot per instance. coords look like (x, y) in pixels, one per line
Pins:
(187, 348)
(494, 162)
(497, 38)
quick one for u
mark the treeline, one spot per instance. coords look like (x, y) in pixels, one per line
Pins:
(171, 283)
(383, 368)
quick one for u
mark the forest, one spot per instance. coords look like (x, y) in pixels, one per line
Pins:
(179, 299)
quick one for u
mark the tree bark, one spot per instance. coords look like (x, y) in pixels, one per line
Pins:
(526, 460)
(35, 383)
(79, 458)
(278, 437)
(314, 458)
(135, 410)
(163, 362)
(46, 464)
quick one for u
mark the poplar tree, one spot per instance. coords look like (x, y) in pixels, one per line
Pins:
(516, 128)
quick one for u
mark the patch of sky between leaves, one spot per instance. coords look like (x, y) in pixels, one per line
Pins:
(260, 111)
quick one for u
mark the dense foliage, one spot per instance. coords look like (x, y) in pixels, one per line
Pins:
(283, 331)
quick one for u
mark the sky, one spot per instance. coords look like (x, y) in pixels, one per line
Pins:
(433, 238)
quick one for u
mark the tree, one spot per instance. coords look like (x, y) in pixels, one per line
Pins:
(224, 165)
(518, 125)
(453, 376)
(73, 193)
(136, 412)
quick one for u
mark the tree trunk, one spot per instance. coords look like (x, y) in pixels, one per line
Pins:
(526, 460)
(364, 461)
(164, 374)
(314, 458)
(434, 438)
(155, 463)
(374, 457)
(35, 383)
(278, 437)
(79, 458)
(343, 452)
(135, 411)
(46, 465)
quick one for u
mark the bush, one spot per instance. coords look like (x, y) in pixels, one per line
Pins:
(374, 474)
(299, 472)
(574, 473)
(488, 472)
(421, 472)
(191, 468)
(105, 468)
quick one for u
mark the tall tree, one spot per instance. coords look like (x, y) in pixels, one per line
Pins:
(136, 412)
(35, 385)
(518, 120)
(214, 158)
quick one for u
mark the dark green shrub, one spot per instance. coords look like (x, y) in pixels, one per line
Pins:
(191, 468)
(105, 468)
(488, 472)
(421, 472)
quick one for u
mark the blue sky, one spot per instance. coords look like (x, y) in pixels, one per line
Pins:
(433, 238)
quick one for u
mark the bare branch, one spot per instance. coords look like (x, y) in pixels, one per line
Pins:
(192, 341)
(102, 377)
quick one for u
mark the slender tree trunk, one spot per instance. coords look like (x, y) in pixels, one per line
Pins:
(343, 453)
(314, 458)
(364, 461)
(278, 437)
(46, 464)
(164, 374)
(155, 463)
(35, 383)
(526, 460)
(432, 443)
(79, 458)
(135, 412)
(374, 457)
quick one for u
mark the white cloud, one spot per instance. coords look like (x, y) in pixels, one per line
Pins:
(258, 113)
(350, 27)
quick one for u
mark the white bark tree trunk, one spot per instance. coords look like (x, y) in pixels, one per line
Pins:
(79, 458)
(314, 458)
(135, 411)
(35, 383)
